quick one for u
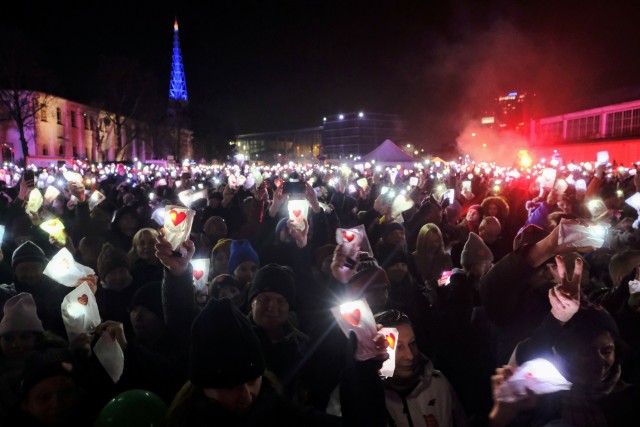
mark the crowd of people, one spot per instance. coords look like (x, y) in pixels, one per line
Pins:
(471, 264)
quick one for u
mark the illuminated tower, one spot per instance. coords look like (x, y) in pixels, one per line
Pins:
(178, 117)
(178, 87)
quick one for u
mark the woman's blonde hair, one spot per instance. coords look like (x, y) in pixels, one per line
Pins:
(424, 246)
(132, 255)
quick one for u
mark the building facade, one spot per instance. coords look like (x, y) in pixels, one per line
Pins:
(58, 128)
(356, 134)
(279, 147)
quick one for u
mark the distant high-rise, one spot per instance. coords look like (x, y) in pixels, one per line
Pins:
(511, 111)
(178, 88)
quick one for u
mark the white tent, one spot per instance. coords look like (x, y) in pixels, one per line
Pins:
(388, 154)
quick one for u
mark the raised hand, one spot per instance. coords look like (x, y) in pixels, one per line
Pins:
(177, 265)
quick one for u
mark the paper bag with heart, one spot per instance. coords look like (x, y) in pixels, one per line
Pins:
(392, 336)
(177, 224)
(200, 273)
(80, 312)
(354, 240)
(55, 228)
(298, 210)
(110, 355)
(538, 376)
(356, 316)
(65, 270)
(34, 202)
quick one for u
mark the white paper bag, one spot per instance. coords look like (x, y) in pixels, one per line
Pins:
(538, 375)
(577, 235)
(177, 224)
(356, 316)
(392, 336)
(51, 193)
(110, 355)
(634, 201)
(200, 272)
(298, 210)
(65, 270)
(34, 202)
(95, 199)
(80, 312)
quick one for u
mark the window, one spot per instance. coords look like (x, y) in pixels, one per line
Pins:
(583, 128)
(72, 117)
(43, 113)
(59, 115)
(623, 123)
(61, 151)
(45, 152)
(86, 122)
(75, 151)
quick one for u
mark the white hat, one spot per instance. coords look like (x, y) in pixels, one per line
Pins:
(20, 315)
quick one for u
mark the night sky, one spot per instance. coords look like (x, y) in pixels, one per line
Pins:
(272, 65)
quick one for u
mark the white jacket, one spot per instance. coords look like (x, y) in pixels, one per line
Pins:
(433, 398)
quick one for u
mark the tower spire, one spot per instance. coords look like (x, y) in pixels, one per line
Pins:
(178, 86)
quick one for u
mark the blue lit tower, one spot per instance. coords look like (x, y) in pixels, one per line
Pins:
(178, 88)
(178, 117)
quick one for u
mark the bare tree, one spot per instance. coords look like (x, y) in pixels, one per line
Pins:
(20, 74)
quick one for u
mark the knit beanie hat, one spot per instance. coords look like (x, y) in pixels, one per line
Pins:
(222, 280)
(390, 228)
(26, 252)
(224, 350)
(241, 251)
(274, 278)
(475, 251)
(529, 234)
(584, 326)
(322, 252)
(20, 315)
(149, 296)
(223, 245)
(109, 259)
(51, 361)
(368, 273)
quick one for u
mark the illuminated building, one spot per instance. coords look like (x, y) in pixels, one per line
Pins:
(511, 111)
(59, 129)
(356, 134)
(279, 146)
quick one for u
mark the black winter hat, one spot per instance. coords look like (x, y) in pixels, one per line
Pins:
(51, 360)
(149, 296)
(274, 278)
(224, 351)
(28, 251)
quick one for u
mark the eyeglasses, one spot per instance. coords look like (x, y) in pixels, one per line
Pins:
(267, 300)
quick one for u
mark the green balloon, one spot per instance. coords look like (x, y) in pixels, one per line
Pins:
(133, 408)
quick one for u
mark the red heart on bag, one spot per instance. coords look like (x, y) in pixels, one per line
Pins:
(348, 235)
(198, 274)
(353, 318)
(177, 217)
(84, 299)
(391, 339)
(297, 212)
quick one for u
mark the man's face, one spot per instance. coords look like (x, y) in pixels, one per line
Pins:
(245, 271)
(145, 322)
(117, 279)
(406, 352)
(492, 209)
(592, 364)
(564, 206)
(30, 272)
(490, 232)
(270, 310)
(397, 272)
(220, 261)
(396, 237)
(237, 399)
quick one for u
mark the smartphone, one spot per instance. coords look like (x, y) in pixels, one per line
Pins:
(29, 177)
(290, 187)
(466, 185)
(445, 278)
